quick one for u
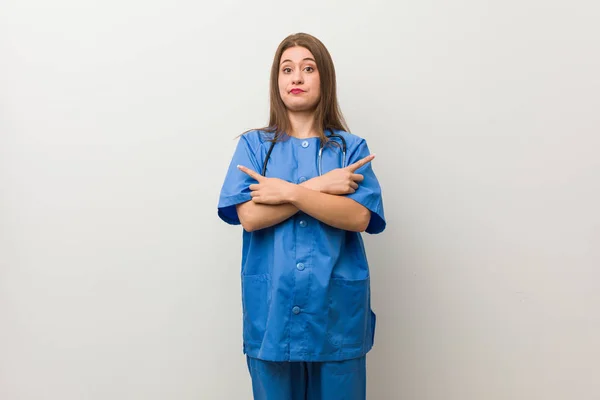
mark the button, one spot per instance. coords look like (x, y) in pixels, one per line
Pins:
(303, 224)
(305, 144)
(296, 310)
(302, 179)
(300, 266)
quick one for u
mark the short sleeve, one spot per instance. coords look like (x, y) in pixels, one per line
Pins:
(235, 189)
(369, 191)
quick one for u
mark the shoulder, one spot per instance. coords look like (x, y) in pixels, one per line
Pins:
(256, 138)
(352, 140)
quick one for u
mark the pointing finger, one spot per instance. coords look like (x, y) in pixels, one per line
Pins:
(360, 163)
(250, 173)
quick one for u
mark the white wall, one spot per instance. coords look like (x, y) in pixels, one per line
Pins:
(117, 119)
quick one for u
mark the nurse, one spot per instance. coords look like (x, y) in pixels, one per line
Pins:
(306, 300)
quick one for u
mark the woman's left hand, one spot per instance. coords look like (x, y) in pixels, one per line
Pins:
(271, 191)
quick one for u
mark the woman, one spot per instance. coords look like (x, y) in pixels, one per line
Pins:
(303, 189)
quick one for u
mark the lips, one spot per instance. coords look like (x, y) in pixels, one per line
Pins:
(296, 91)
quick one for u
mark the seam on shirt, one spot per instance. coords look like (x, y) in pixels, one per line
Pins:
(234, 199)
(292, 298)
(310, 280)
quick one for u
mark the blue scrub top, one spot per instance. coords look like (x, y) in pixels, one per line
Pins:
(305, 285)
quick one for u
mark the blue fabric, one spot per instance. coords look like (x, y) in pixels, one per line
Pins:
(305, 285)
(333, 380)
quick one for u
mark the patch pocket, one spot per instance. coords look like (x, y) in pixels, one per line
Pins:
(256, 299)
(349, 314)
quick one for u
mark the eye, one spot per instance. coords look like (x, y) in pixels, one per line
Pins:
(286, 70)
(309, 69)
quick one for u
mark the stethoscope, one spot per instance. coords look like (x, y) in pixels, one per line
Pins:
(319, 158)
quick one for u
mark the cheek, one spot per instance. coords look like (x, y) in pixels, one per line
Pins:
(281, 82)
(316, 81)
(317, 87)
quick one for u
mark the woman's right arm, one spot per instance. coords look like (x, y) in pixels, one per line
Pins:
(254, 216)
(259, 216)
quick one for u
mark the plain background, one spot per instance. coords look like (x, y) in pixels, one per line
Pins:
(118, 121)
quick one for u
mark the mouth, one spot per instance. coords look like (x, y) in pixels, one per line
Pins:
(296, 91)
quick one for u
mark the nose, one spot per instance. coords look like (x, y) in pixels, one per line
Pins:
(297, 78)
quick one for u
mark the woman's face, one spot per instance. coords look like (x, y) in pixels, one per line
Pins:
(299, 82)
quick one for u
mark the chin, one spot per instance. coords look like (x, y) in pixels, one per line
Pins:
(301, 107)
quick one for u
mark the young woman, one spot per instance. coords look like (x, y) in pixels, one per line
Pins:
(303, 189)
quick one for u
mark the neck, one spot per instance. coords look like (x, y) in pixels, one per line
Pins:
(302, 124)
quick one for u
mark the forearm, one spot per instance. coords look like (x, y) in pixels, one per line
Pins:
(254, 216)
(337, 211)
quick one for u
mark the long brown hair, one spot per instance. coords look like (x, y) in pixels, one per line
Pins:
(327, 113)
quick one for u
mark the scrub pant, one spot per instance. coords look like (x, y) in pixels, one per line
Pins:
(332, 380)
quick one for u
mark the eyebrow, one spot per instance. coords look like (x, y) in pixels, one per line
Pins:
(306, 59)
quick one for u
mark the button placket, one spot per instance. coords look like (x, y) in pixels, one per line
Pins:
(301, 302)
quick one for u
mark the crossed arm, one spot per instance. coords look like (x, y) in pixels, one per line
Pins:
(275, 200)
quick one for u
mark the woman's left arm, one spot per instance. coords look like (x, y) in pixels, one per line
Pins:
(337, 211)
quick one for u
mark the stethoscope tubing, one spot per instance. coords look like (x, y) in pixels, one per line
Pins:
(319, 158)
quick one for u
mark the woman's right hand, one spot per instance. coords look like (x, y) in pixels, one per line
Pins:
(340, 181)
